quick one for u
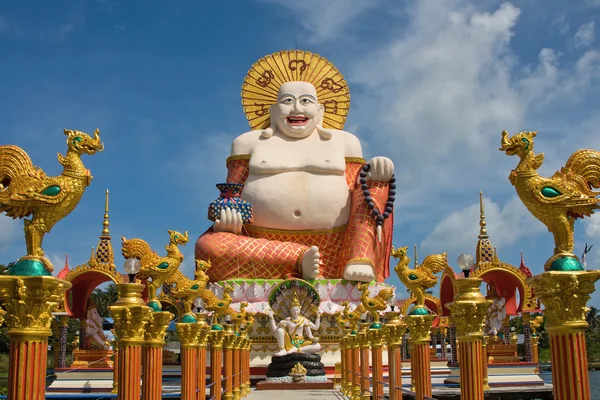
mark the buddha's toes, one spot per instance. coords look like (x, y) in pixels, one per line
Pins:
(311, 262)
(359, 272)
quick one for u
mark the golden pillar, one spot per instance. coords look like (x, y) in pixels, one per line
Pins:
(468, 315)
(189, 333)
(29, 302)
(355, 343)
(202, 341)
(394, 331)
(152, 355)
(247, 351)
(237, 341)
(131, 315)
(228, 346)
(565, 295)
(484, 363)
(376, 339)
(115, 346)
(419, 327)
(535, 351)
(344, 364)
(217, 337)
(364, 345)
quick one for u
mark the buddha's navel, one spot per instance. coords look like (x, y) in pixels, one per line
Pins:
(297, 213)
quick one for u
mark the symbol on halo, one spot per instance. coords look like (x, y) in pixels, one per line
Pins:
(265, 78)
(292, 65)
(329, 84)
(331, 106)
(262, 111)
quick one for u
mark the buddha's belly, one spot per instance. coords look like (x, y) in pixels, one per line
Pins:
(298, 200)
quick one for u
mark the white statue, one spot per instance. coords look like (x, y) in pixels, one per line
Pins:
(497, 310)
(294, 334)
(301, 173)
(94, 335)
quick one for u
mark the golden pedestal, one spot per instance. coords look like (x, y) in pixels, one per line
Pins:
(419, 327)
(131, 316)
(188, 336)
(83, 359)
(468, 315)
(29, 302)
(152, 355)
(394, 330)
(565, 295)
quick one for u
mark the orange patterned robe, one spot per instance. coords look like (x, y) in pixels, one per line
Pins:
(265, 253)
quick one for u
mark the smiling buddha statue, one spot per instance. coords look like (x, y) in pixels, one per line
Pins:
(301, 200)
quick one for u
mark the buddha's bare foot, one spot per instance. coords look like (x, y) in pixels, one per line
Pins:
(359, 272)
(281, 352)
(311, 262)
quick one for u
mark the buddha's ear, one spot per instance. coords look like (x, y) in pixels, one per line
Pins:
(268, 132)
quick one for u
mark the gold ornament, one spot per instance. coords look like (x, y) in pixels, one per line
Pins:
(419, 327)
(376, 304)
(26, 190)
(30, 301)
(376, 337)
(559, 200)
(187, 290)
(216, 339)
(188, 333)
(130, 314)
(298, 369)
(421, 278)
(156, 329)
(564, 295)
(153, 267)
(468, 309)
(261, 85)
(295, 301)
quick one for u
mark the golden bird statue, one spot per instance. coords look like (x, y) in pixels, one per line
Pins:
(421, 278)
(26, 190)
(154, 268)
(559, 200)
(375, 304)
(187, 290)
(536, 324)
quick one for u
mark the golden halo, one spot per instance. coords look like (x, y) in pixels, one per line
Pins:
(263, 80)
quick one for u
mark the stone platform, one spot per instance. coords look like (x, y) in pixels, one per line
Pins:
(265, 385)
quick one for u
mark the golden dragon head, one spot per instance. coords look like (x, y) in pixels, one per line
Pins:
(178, 238)
(399, 253)
(82, 143)
(202, 265)
(520, 144)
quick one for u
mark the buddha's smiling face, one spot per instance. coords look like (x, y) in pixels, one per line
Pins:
(297, 111)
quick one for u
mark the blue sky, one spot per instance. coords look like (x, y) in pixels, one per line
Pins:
(433, 84)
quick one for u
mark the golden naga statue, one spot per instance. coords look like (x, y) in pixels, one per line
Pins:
(219, 307)
(154, 268)
(376, 304)
(26, 190)
(187, 290)
(559, 200)
(349, 319)
(421, 278)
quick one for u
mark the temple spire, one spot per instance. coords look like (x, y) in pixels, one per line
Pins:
(105, 223)
(485, 251)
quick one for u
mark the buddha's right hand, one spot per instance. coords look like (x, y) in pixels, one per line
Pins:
(230, 221)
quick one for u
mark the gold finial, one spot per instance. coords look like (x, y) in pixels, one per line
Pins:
(295, 301)
(482, 230)
(92, 253)
(416, 256)
(495, 253)
(105, 223)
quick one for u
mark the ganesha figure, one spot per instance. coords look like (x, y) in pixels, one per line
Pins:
(318, 209)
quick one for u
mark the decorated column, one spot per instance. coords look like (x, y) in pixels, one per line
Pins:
(468, 315)
(484, 363)
(189, 333)
(356, 381)
(131, 315)
(228, 362)
(535, 351)
(364, 346)
(246, 358)
(343, 363)
(115, 346)
(63, 328)
(29, 302)
(419, 327)
(443, 341)
(237, 341)
(526, 320)
(506, 329)
(202, 342)
(564, 295)
(216, 362)
(376, 339)
(152, 355)
(394, 332)
(434, 342)
(453, 346)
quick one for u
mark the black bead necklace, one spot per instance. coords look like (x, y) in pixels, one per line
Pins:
(389, 205)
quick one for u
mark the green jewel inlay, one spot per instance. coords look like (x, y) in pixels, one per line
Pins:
(550, 192)
(164, 265)
(51, 190)
(413, 277)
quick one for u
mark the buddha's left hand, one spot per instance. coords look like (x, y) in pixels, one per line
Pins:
(382, 169)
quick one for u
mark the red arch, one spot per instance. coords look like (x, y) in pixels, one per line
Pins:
(507, 285)
(446, 295)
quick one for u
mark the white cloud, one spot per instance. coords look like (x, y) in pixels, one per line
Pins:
(58, 262)
(9, 232)
(592, 227)
(457, 232)
(585, 35)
